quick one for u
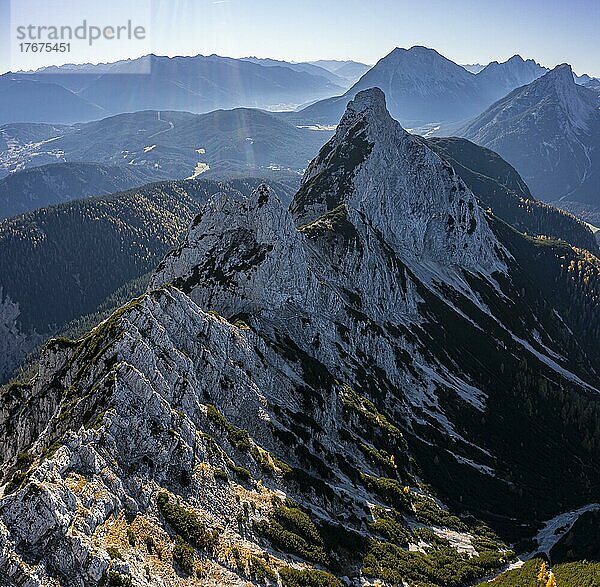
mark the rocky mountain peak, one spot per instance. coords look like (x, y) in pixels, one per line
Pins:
(367, 109)
(514, 60)
(552, 111)
(370, 101)
(513, 73)
(561, 77)
(518, 61)
(254, 263)
(394, 182)
(373, 181)
(420, 62)
(576, 103)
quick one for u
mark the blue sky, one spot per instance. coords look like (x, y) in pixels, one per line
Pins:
(466, 31)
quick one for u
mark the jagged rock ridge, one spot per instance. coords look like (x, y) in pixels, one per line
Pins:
(319, 352)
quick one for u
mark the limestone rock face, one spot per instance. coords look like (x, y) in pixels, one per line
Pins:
(246, 249)
(376, 336)
(398, 186)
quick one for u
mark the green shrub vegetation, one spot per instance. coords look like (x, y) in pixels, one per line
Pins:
(369, 413)
(24, 460)
(427, 511)
(184, 555)
(260, 570)
(114, 552)
(237, 437)
(439, 566)
(378, 458)
(430, 537)
(118, 580)
(389, 490)
(307, 578)
(389, 524)
(291, 530)
(575, 574)
(242, 473)
(131, 537)
(238, 560)
(240, 439)
(186, 523)
(98, 421)
(23, 464)
(17, 480)
(51, 450)
(484, 542)
(215, 416)
(525, 576)
(269, 462)
(221, 474)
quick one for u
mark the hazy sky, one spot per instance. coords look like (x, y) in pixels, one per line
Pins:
(466, 31)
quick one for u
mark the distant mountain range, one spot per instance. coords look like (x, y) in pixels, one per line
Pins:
(498, 79)
(196, 84)
(341, 73)
(589, 82)
(349, 70)
(42, 100)
(310, 68)
(165, 145)
(422, 86)
(550, 131)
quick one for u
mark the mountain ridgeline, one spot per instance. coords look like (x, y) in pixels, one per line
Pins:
(61, 263)
(382, 381)
(194, 84)
(549, 131)
(43, 186)
(78, 254)
(422, 87)
(166, 145)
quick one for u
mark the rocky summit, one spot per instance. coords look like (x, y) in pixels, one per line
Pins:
(382, 382)
(549, 131)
